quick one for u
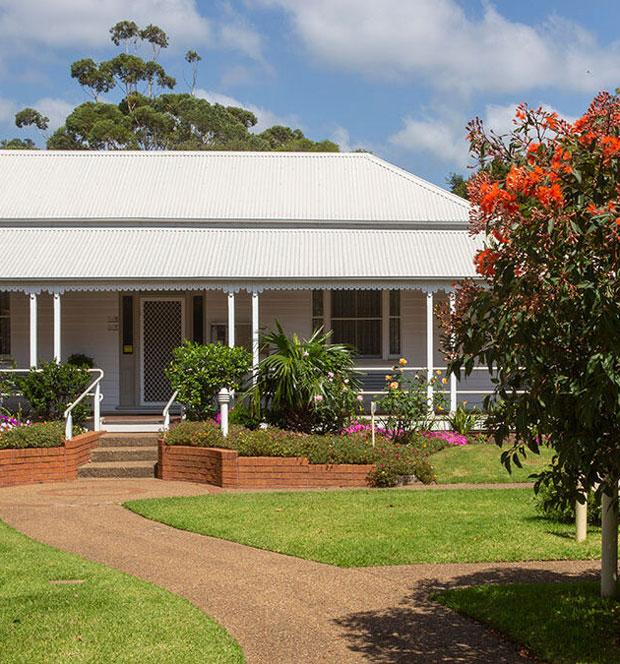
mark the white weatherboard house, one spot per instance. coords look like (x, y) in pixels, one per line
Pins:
(122, 255)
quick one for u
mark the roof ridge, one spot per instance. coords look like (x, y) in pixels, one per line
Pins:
(416, 179)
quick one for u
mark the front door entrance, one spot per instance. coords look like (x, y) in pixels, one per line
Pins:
(162, 331)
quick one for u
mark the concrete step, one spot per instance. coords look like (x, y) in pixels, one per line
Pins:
(119, 454)
(114, 469)
(128, 440)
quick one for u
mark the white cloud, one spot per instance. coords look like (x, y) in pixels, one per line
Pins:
(442, 132)
(67, 23)
(342, 137)
(239, 36)
(439, 42)
(265, 117)
(8, 109)
(54, 109)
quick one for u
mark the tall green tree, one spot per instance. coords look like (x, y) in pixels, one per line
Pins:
(149, 115)
(545, 320)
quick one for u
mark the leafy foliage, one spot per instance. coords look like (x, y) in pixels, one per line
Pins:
(53, 388)
(406, 404)
(305, 385)
(199, 372)
(39, 434)
(546, 321)
(464, 421)
(392, 459)
(149, 116)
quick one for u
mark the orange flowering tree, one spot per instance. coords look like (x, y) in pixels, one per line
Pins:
(545, 314)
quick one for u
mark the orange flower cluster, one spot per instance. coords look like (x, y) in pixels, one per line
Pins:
(611, 146)
(492, 196)
(485, 262)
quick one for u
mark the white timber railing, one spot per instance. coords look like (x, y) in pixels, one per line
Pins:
(453, 389)
(93, 390)
(97, 398)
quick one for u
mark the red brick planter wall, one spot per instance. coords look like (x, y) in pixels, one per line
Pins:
(225, 468)
(49, 464)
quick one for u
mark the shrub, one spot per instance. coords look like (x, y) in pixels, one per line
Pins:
(392, 459)
(52, 389)
(81, 360)
(241, 414)
(464, 421)
(551, 503)
(39, 434)
(305, 385)
(199, 372)
(406, 405)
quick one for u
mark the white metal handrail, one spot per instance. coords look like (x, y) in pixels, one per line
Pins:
(97, 397)
(166, 411)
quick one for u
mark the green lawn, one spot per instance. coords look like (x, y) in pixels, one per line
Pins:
(562, 623)
(110, 617)
(480, 464)
(379, 527)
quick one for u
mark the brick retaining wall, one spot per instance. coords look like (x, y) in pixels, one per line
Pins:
(47, 464)
(210, 465)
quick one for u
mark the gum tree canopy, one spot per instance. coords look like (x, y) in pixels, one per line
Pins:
(546, 319)
(149, 116)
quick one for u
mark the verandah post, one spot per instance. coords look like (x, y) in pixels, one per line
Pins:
(429, 349)
(231, 319)
(453, 397)
(255, 327)
(33, 330)
(57, 328)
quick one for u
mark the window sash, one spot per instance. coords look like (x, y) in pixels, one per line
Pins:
(5, 323)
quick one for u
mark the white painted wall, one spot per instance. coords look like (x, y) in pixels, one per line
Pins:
(85, 320)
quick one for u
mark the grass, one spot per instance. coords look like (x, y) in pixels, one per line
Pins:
(379, 527)
(561, 623)
(480, 464)
(111, 617)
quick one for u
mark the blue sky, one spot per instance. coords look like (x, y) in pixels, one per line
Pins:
(398, 77)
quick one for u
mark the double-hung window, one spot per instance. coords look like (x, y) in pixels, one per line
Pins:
(5, 324)
(356, 319)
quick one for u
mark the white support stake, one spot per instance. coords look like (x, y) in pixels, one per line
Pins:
(429, 349)
(609, 544)
(231, 319)
(453, 396)
(57, 328)
(33, 330)
(223, 399)
(255, 327)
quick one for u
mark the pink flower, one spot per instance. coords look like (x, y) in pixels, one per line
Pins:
(318, 398)
(305, 353)
(360, 398)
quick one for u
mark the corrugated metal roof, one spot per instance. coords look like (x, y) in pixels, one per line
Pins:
(113, 254)
(251, 186)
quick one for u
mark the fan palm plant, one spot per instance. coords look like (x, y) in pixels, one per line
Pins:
(304, 384)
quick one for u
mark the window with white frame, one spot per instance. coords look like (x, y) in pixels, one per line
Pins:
(356, 319)
(5, 324)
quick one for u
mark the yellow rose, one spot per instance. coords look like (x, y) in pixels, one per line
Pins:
(444, 380)
(388, 378)
(402, 361)
(394, 386)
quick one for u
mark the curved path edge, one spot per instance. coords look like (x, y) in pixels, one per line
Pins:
(282, 610)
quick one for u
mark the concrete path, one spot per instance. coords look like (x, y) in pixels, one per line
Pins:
(282, 610)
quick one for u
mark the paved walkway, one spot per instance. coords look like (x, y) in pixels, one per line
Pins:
(282, 610)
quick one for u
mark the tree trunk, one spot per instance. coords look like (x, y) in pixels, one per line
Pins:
(609, 544)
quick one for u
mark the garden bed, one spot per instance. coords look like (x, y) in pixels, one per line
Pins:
(225, 468)
(46, 464)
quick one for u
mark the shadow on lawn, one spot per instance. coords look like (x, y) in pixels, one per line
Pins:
(421, 631)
